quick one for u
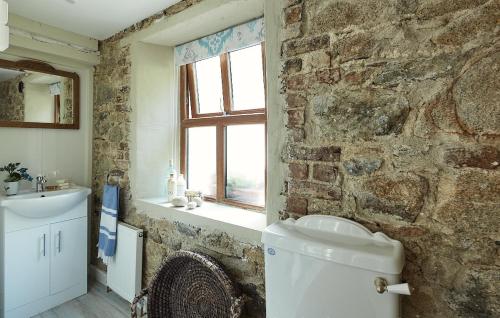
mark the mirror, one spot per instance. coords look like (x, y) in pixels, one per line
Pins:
(36, 95)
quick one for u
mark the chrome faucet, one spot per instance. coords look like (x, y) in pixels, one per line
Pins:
(40, 183)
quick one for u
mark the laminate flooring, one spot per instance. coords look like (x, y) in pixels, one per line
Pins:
(96, 304)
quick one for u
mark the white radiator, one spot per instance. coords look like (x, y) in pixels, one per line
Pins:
(125, 268)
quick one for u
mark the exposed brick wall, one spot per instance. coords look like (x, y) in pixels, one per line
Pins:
(111, 128)
(67, 102)
(112, 114)
(393, 121)
(11, 101)
(393, 114)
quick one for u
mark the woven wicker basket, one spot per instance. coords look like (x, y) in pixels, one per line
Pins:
(191, 285)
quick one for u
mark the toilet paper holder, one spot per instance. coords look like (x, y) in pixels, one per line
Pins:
(382, 286)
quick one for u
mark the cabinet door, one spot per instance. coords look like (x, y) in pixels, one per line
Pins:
(26, 266)
(68, 254)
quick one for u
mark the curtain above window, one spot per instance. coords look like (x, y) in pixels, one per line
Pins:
(55, 89)
(234, 38)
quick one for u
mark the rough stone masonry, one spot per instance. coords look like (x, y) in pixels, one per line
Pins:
(12, 101)
(393, 121)
(111, 150)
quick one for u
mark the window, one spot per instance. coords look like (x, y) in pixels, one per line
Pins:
(223, 127)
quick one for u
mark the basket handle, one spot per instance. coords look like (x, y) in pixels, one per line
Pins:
(137, 299)
(237, 306)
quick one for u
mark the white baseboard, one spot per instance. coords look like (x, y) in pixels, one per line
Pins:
(98, 275)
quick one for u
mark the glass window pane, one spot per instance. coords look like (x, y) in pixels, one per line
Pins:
(246, 163)
(209, 85)
(247, 78)
(201, 160)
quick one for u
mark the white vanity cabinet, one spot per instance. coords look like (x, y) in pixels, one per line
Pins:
(27, 266)
(68, 254)
(44, 260)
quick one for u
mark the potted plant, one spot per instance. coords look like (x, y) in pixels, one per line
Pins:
(15, 174)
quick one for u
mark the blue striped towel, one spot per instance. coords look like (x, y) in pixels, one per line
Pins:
(109, 221)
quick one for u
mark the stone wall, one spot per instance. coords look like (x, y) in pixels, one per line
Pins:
(66, 110)
(11, 100)
(394, 121)
(243, 262)
(111, 150)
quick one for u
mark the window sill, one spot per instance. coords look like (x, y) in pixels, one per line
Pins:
(243, 225)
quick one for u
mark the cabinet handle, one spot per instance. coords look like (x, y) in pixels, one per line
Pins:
(43, 247)
(59, 241)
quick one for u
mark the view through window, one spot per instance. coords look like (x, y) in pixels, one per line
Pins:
(223, 127)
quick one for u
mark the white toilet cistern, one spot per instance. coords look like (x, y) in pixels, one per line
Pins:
(308, 259)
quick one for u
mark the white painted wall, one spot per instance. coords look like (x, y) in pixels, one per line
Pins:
(154, 132)
(28, 38)
(202, 19)
(276, 170)
(154, 118)
(38, 103)
(43, 151)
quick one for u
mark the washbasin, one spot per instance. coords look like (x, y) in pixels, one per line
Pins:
(44, 204)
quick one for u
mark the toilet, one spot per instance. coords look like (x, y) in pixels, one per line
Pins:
(330, 267)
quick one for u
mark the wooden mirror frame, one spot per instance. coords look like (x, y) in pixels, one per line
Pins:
(42, 67)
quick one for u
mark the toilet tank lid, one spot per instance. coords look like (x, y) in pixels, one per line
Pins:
(337, 240)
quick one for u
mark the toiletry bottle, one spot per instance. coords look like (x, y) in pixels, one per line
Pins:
(171, 183)
(181, 186)
(171, 169)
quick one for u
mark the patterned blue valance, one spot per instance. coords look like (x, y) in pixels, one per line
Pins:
(234, 38)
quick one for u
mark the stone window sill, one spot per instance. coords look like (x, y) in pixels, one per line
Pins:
(244, 225)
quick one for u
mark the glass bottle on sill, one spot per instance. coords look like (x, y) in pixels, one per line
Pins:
(171, 183)
(181, 186)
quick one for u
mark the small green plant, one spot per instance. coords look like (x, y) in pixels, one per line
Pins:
(15, 173)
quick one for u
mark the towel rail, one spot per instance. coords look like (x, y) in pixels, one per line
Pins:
(115, 174)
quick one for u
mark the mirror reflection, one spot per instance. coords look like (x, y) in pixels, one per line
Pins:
(29, 96)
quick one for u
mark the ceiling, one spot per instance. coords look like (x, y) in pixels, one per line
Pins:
(41, 78)
(98, 19)
(6, 74)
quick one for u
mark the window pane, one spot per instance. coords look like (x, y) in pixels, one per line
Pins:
(209, 84)
(247, 78)
(246, 163)
(201, 162)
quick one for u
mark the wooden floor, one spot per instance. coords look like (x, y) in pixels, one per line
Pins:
(96, 304)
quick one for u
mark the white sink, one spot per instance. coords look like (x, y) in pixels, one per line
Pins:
(44, 204)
